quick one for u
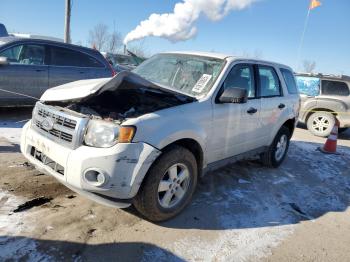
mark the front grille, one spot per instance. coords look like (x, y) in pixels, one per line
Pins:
(56, 133)
(59, 120)
(46, 161)
(58, 125)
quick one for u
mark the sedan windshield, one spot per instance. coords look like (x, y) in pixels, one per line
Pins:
(189, 74)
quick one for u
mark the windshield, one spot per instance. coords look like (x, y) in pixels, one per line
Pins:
(189, 74)
(309, 86)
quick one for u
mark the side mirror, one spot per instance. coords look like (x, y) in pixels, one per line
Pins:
(234, 95)
(3, 60)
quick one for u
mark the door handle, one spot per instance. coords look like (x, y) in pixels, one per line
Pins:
(39, 70)
(81, 72)
(252, 110)
(281, 106)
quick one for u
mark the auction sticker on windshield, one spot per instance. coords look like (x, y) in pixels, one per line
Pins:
(201, 83)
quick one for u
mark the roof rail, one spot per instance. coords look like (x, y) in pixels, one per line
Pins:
(341, 77)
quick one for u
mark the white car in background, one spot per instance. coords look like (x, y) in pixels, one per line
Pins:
(145, 137)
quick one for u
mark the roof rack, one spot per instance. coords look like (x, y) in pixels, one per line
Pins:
(340, 77)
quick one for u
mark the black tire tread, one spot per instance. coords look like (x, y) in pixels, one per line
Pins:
(267, 158)
(146, 203)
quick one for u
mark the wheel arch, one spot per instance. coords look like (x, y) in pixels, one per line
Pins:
(193, 146)
(290, 124)
(319, 109)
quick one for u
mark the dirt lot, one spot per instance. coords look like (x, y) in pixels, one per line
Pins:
(244, 212)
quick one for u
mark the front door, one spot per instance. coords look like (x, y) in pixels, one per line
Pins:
(236, 126)
(25, 76)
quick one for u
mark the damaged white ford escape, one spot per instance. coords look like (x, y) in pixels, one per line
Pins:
(145, 137)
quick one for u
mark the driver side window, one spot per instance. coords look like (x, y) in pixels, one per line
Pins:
(241, 76)
(25, 54)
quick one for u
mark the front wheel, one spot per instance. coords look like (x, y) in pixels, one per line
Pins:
(277, 151)
(169, 185)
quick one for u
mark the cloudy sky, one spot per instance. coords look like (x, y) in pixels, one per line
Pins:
(270, 29)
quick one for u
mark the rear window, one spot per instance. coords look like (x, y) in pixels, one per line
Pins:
(309, 86)
(290, 81)
(334, 88)
(67, 57)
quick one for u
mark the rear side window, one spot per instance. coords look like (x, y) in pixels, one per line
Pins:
(269, 82)
(290, 81)
(67, 57)
(334, 88)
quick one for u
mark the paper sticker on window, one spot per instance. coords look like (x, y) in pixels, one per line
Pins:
(201, 83)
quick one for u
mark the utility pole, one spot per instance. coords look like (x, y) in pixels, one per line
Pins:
(67, 22)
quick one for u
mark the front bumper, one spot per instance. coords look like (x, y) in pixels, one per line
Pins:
(124, 166)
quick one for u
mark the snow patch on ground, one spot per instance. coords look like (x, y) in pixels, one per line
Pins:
(14, 247)
(252, 218)
(11, 130)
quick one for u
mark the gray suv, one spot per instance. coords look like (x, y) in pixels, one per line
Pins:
(31, 66)
(324, 97)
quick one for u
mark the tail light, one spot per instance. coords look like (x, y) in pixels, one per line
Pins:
(112, 70)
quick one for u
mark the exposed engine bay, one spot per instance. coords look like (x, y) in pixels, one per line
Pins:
(130, 97)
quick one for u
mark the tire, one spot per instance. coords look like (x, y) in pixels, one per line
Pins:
(151, 202)
(342, 130)
(321, 123)
(271, 158)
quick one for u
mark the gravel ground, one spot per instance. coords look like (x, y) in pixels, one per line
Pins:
(243, 212)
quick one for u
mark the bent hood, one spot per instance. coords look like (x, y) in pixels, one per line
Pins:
(82, 89)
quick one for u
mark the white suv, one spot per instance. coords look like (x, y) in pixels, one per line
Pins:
(144, 137)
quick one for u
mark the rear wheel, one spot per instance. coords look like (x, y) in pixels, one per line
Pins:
(321, 123)
(169, 185)
(277, 151)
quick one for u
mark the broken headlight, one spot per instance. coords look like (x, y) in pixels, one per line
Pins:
(101, 133)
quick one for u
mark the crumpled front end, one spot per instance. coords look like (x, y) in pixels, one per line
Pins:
(111, 176)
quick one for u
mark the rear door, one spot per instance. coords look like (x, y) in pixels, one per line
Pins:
(25, 76)
(272, 100)
(68, 65)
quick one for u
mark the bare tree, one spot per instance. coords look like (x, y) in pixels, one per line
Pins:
(98, 37)
(138, 48)
(102, 40)
(309, 66)
(114, 42)
(258, 54)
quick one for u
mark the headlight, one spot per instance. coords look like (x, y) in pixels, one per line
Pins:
(106, 134)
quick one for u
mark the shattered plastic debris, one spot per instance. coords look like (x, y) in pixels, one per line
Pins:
(32, 203)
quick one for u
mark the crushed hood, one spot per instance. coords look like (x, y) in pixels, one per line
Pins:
(79, 90)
